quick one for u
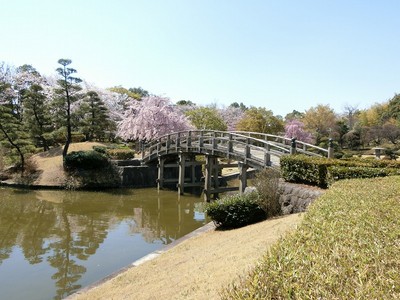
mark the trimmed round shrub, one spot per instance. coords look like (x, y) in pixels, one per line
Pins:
(236, 211)
(86, 160)
(121, 154)
(100, 149)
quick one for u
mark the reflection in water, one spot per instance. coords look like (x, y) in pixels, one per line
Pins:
(71, 239)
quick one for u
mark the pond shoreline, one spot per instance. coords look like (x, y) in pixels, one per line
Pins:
(197, 267)
(208, 227)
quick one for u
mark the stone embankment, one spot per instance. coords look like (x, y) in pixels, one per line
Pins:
(295, 198)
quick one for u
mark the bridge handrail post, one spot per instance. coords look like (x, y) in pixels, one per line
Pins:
(230, 143)
(214, 141)
(141, 143)
(293, 146)
(267, 155)
(178, 141)
(168, 143)
(189, 139)
(330, 148)
(201, 139)
(159, 146)
(247, 149)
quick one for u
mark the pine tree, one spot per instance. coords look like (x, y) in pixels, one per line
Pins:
(66, 93)
(12, 133)
(37, 115)
(94, 116)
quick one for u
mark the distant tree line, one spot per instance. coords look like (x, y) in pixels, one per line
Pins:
(40, 112)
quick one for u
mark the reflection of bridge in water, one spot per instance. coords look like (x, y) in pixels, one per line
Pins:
(248, 149)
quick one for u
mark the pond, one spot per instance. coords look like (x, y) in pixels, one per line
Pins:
(53, 243)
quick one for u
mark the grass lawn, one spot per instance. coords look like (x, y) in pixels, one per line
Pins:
(347, 247)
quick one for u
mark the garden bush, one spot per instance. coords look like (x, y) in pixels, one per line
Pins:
(100, 149)
(305, 169)
(236, 211)
(321, 171)
(342, 172)
(86, 160)
(121, 154)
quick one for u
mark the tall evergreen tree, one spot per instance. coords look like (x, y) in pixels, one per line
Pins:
(95, 120)
(37, 115)
(66, 93)
(12, 133)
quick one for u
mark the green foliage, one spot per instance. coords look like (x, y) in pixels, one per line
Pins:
(321, 121)
(12, 132)
(85, 160)
(66, 93)
(347, 247)
(121, 153)
(94, 119)
(37, 116)
(206, 118)
(100, 149)
(77, 137)
(321, 171)
(305, 169)
(236, 211)
(135, 93)
(342, 172)
(260, 120)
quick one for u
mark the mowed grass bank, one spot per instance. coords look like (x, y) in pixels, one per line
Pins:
(347, 247)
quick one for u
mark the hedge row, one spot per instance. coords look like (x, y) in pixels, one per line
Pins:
(116, 153)
(322, 171)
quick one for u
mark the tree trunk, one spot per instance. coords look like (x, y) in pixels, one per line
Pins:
(21, 155)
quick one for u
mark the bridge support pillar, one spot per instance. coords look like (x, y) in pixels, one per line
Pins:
(242, 177)
(181, 179)
(211, 172)
(160, 179)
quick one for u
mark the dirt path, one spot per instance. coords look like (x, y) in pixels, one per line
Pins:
(197, 268)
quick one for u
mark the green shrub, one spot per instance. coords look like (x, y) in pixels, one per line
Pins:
(86, 160)
(305, 169)
(77, 137)
(236, 211)
(341, 172)
(121, 154)
(321, 171)
(100, 149)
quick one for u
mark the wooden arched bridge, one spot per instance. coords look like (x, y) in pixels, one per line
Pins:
(248, 149)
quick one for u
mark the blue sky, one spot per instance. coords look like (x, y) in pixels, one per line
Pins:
(282, 54)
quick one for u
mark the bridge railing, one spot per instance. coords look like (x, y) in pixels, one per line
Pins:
(301, 147)
(250, 147)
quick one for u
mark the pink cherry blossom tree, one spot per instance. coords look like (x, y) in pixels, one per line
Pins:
(295, 129)
(151, 118)
(231, 115)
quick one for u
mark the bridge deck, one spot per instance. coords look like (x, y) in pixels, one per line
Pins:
(254, 149)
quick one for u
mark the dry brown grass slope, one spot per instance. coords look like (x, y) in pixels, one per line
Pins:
(50, 163)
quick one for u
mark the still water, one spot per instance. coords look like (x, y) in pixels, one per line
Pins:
(53, 243)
